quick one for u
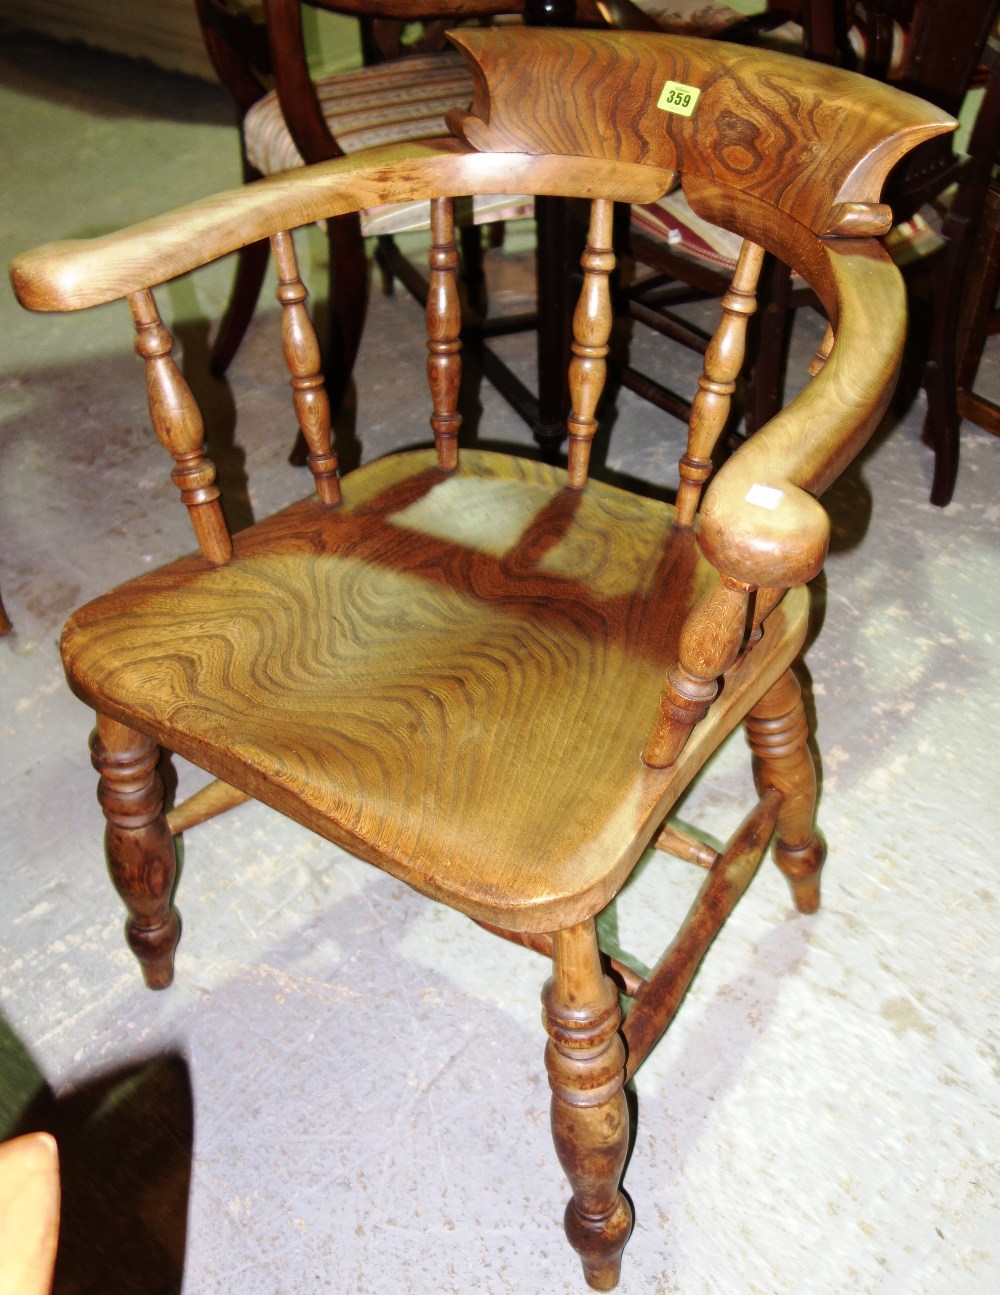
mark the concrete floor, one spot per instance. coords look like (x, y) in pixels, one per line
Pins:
(344, 1090)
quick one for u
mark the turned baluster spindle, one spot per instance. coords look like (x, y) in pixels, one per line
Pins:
(592, 321)
(713, 400)
(585, 1060)
(444, 323)
(710, 642)
(778, 734)
(302, 356)
(178, 425)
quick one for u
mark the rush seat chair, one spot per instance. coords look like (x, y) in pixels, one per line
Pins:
(491, 677)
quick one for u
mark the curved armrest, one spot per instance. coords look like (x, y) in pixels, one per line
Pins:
(760, 522)
(88, 272)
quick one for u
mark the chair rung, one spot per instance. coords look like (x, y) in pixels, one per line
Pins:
(669, 326)
(211, 800)
(684, 846)
(656, 394)
(657, 1001)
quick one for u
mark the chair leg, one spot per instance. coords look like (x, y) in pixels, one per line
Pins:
(778, 736)
(138, 844)
(585, 1059)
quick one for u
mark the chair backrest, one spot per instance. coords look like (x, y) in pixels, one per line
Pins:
(256, 49)
(790, 155)
(930, 48)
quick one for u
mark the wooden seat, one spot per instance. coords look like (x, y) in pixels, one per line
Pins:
(489, 677)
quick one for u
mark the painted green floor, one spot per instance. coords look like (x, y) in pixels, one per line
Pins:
(344, 1090)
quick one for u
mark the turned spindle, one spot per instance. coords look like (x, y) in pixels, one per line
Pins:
(709, 644)
(444, 324)
(302, 356)
(585, 1060)
(178, 425)
(713, 401)
(592, 321)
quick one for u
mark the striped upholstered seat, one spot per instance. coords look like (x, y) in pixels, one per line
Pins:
(389, 103)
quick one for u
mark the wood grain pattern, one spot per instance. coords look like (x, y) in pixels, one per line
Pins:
(456, 672)
(804, 137)
(494, 603)
(77, 273)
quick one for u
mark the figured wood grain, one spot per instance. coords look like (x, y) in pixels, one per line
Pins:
(74, 274)
(804, 137)
(435, 675)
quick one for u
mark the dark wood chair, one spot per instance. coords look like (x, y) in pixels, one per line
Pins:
(287, 119)
(931, 49)
(491, 677)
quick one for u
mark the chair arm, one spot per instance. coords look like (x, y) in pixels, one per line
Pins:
(88, 272)
(760, 522)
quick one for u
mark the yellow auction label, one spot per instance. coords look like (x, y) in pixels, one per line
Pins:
(679, 98)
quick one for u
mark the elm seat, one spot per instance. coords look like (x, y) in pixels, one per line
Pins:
(482, 590)
(492, 678)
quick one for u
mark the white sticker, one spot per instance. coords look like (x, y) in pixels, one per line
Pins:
(764, 496)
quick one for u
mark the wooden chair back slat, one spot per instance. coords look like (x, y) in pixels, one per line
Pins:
(302, 355)
(178, 423)
(723, 362)
(592, 322)
(443, 316)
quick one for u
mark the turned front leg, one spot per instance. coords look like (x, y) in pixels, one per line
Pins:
(778, 735)
(585, 1059)
(138, 844)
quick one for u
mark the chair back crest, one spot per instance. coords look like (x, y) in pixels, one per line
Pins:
(811, 140)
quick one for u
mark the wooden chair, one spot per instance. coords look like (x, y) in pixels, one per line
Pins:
(488, 676)
(929, 48)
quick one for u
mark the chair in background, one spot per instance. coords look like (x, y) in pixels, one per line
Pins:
(287, 119)
(972, 224)
(928, 48)
(488, 676)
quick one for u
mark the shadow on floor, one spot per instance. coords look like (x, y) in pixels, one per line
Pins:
(125, 1144)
